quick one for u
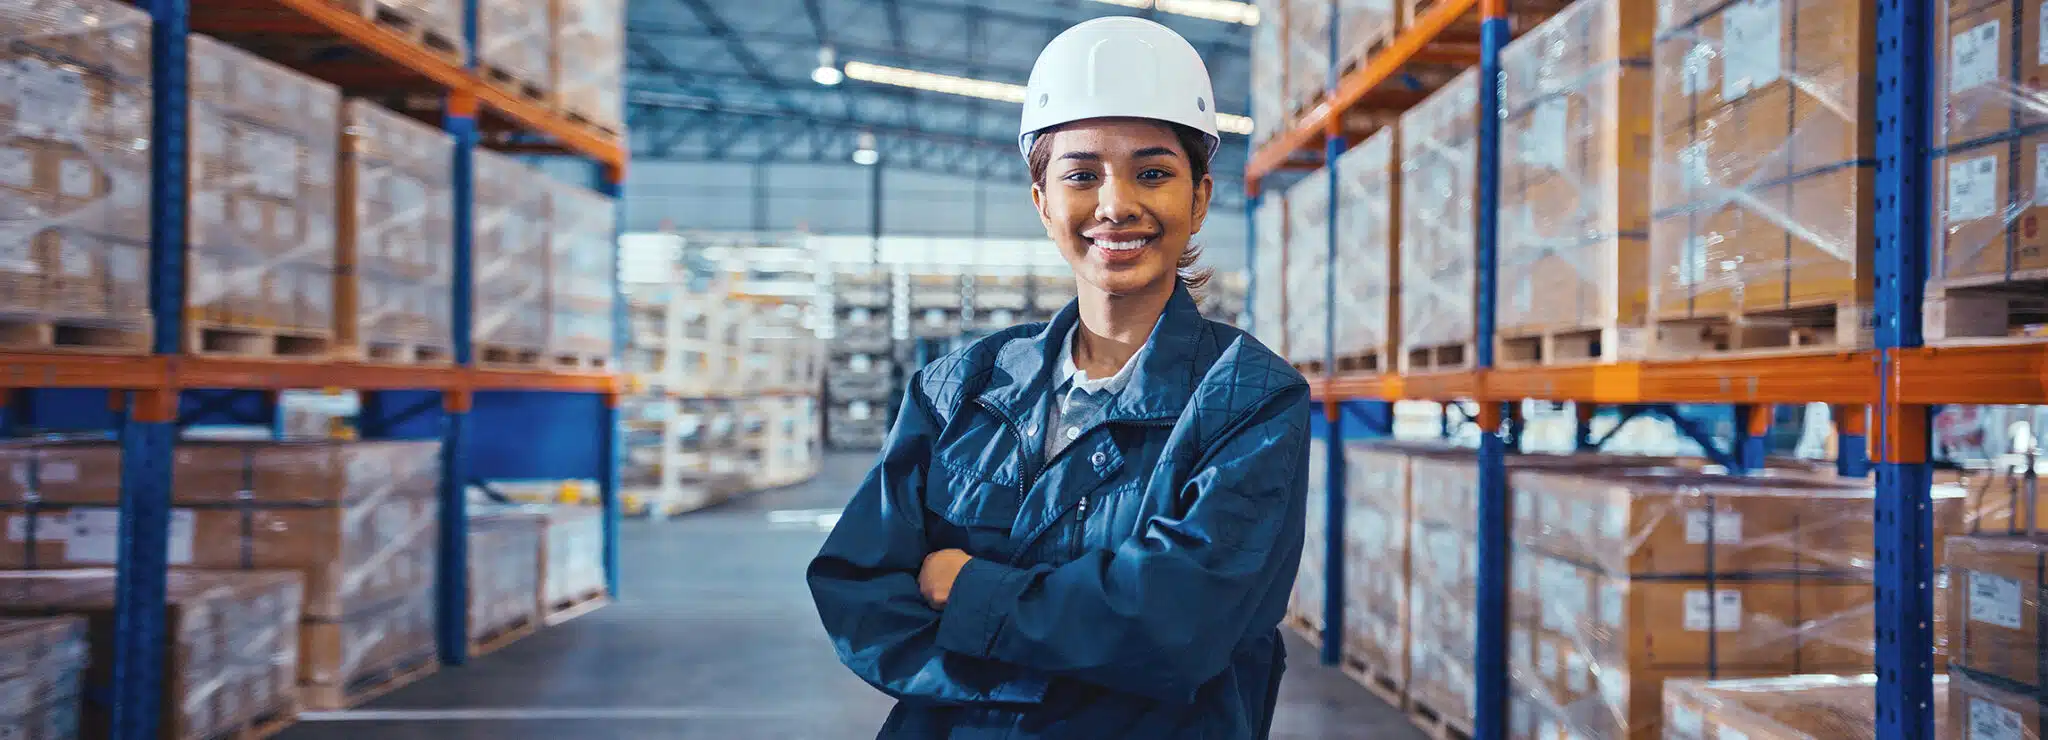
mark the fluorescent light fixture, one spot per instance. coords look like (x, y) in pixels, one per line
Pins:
(1228, 11)
(864, 153)
(986, 89)
(827, 73)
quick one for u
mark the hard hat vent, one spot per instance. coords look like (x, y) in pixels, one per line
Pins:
(1201, 105)
(1043, 99)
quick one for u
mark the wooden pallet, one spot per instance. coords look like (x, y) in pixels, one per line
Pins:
(504, 355)
(1376, 680)
(497, 638)
(223, 340)
(1570, 345)
(402, 353)
(1375, 361)
(1816, 328)
(34, 334)
(1437, 725)
(571, 608)
(400, 20)
(264, 725)
(578, 118)
(515, 85)
(1976, 314)
(368, 685)
(578, 361)
(1438, 358)
(1303, 628)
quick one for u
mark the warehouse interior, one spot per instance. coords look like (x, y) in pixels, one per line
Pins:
(498, 368)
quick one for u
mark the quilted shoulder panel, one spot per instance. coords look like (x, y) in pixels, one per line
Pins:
(1244, 375)
(956, 377)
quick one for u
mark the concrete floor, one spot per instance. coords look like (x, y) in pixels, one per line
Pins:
(716, 638)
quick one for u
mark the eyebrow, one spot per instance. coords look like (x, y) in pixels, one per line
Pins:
(1086, 156)
(1154, 151)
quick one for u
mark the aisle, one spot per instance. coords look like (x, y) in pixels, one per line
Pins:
(717, 639)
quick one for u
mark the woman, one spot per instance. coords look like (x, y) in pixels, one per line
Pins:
(1087, 528)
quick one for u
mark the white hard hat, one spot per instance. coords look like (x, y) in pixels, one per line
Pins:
(1120, 67)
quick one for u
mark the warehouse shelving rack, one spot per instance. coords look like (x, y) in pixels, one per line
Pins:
(1898, 382)
(471, 410)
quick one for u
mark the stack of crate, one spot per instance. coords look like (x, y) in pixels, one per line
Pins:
(230, 644)
(42, 672)
(262, 257)
(581, 241)
(504, 577)
(589, 61)
(397, 233)
(860, 374)
(1377, 509)
(999, 301)
(1438, 244)
(509, 318)
(1051, 290)
(515, 46)
(1761, 232)
(1789, 708)
(936, 308)
(1994, 640)
(433, 24)
(1575, 172)
(1306, 603)
(74, 186)
(1269, 272)
(1367, 311)
(1990, 267)
(1443, 585)
(1307, 272)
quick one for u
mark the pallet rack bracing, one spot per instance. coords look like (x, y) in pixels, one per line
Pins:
(155, 394)
(1895, 377)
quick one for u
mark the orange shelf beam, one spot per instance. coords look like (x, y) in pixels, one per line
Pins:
(1991, 374)
(38, 370)
(151, 372)
(1307, 134)
(533, 380)
(1847, 378)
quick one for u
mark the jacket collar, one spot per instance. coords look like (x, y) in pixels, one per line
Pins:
(1162, 380)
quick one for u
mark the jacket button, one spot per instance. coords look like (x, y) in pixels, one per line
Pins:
(1098, 458)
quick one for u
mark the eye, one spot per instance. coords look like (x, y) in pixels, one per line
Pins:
(1079, 176)
(1155, 173)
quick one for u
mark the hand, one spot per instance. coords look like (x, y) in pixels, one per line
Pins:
(935, 579)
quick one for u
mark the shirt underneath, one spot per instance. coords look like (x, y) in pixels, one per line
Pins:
(1078, 401)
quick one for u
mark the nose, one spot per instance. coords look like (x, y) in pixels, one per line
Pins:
(1117, 200)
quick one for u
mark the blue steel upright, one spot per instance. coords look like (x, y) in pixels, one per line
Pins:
(611, 454)
(1490, 656)
(452, 584)
(1904, 522)
(1333, 431)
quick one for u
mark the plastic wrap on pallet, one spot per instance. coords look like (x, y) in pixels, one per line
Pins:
(1991, 172)
(231, 642)
(1269, 272)
(516, 38)
(1305, 603)
(1575, 172)
(438, 23)
(42, 671)
(74, 183)
(1269, 72)
(1995, 639)
(504, 572)
(1811, 707)
(1369, 200)
(1439, 161)
(1308, 268)
(1761, 186)
(264, 144)
(1623, 579)
(1363, 25)
(1982, 708)
(1376, 564)
(590, 53)
(397, 236)
(511, 237)
(580, 245)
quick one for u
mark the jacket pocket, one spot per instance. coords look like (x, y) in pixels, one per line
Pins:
(965, 512)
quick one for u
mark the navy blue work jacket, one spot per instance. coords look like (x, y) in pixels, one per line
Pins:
(1129, 588)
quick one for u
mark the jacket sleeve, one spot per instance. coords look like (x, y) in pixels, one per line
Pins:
(864, 583)
(1161, 614)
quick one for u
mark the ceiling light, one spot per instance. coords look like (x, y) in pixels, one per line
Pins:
(985, 89)
(864, 153)
(827, 73)
(1228, 11)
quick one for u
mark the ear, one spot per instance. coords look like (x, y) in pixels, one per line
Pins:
(1203, 191)
(1038, 201)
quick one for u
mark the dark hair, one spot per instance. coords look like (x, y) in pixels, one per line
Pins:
(1195, 144)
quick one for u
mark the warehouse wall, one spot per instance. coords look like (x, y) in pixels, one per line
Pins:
(834, 199)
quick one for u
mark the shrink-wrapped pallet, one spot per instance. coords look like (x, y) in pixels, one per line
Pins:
(1305, 603)
(1376, 564)
(1365, 26)
(504, 574)
(1625, 579)
(230, 644)
(1308, 268)
(515, 43)
(1761, 187)
(1812, 707)
(1575, 170)
(1368, 229)
(1269, 273)
(511, 260)
(74, 184)
(42, 670)
(397, 237)
(1269, 72)
(1982, 708)
(581, 243)
(437, 24)
(1439, 168)
(589, 61)
(262, 215)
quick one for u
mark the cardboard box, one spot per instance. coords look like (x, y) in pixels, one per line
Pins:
(581, 241)
(1367, 313)
(511, 260)
(1786, 708)
(1979, 708)
(42, 665)
(504, 573)
(397, 235)
(1985, 78)
(1377, 570)
(1439, 161)
(589, 60)
(1996, 595)
(1988, 201)
(231, 642)
(1308, 267)
(336, 653)
(515, 38)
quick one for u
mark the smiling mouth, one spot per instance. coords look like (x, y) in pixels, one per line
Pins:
(1121, 245)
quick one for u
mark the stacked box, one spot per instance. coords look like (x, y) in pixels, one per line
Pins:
(440, 20)
(397, 237)
(1364, 25)
(1983, 708)
(1443, 578)
(1987, 193)
(42, 669)
(1307, 268)
(1269, 72)
(263, 195)
(73, 185)
(1994, 641)
(1377, 509)
(1439, 160)
(589, 62)
(504, 573)
(516, 39)
(860, 330)
(231, 643)
(861, 377)
(1369, 194)
(857, 424)
(581, 242)
(1305, 604)
(1269, 273)
(1788, 708)
(1575, 171)
(511, 257)
(1762, 179)
(1624, 579)
(357, 520)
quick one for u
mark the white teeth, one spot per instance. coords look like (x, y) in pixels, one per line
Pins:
(1120, 246)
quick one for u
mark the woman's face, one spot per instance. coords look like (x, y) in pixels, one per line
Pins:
(1121, 201)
